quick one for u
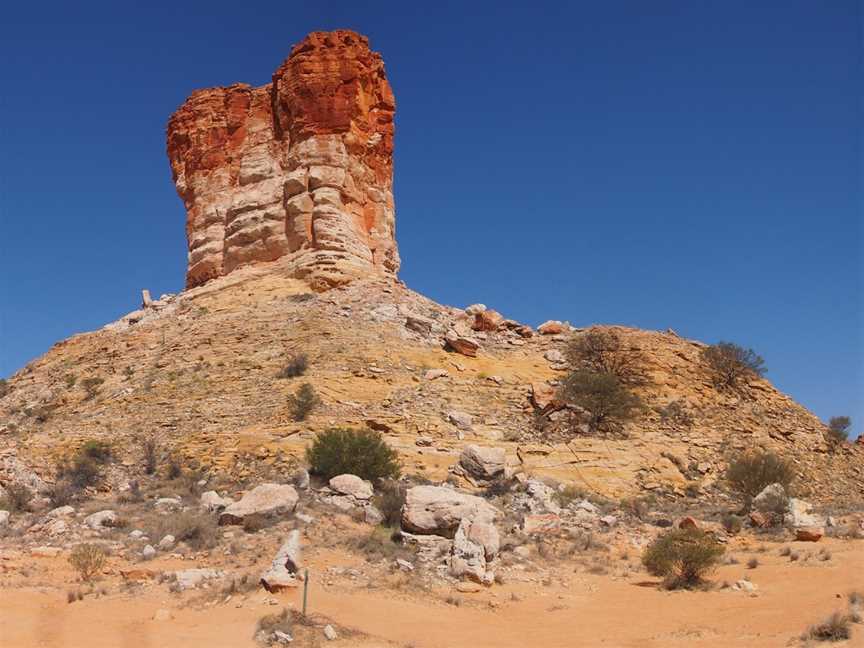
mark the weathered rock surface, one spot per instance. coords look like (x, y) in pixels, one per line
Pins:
(439, 511)
(351, 485)
(283, 572)
(483, 463)
(475, 546)
(300, 168)
(266, 499)
(101, 519)
(213, 502)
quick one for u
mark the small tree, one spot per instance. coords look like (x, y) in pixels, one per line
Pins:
(609, 402)
(750, 473)
(603, 351)
(838, 430)
(682, 557)
(357, 452)
(303, 401)
(17, 498)
(729, 364)
(88, 560)
(390, 501)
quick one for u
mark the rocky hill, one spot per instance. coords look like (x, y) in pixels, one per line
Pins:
(292, 251)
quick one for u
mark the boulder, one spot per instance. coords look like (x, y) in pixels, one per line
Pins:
(541, 523)
(213, 502)
(688, 523)
(433, 374)
(462, 420)
(542, 497)
(419, 324)
(266, 499)
(552, 327)
(4, 519)
(148, 552)
(61, 511)
(483, 463)
(167, 542)
(330, 633)
(470, 557)
(101, 520)
(352, 485)
(543, 396)
(192, 578)
(284, 570)
(461, 344)
(769, 496)
(554, 356)
(488, 320)
(439, 511)
(809, 534)
(799, 513)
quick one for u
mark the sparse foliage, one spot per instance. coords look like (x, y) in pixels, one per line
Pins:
(604, 351)
(88, 560)
(302, 402)
(834, 628)
(80, 472)
(676, 413)
(838, 430)
(358, 452)
(389, 501)
(150, 452)
(609, 402)
(729, 364)
(295, 366)
(61, 493)
(98, 451)
(683, 557)
(732, 523)
(750, 473)
(198, 530)
(4, 387)
(271, 623)
(91, 386)
(17, 498)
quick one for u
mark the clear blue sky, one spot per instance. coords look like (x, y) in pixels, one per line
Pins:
(694, 165)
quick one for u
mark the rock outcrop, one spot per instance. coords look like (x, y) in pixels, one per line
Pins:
(299, 169)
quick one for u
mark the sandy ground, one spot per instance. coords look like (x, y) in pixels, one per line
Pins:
(590, 611)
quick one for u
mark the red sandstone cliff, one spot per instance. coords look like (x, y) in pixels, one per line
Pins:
(300, 168)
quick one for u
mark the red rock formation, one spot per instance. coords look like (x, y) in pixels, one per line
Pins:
(300, 168)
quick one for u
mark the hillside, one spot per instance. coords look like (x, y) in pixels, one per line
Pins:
(199, 371)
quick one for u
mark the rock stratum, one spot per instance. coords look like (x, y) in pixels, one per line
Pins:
(299, 169)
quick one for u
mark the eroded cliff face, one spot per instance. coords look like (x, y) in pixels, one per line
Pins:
(300, 169)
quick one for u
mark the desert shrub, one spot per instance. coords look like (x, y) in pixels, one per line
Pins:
(677, 414)
(732, 523)
(603, 351)
(390, 500)
(150, 454)
(279, 622)
(70, 380)
(303, 401)
(638, 507)
(91, 386)
(17, 498)
(4, 387)
(358, 452)
(773, 505)
(834, 628)
(80, 472)
(380, 544)
(295, 365)
(751, 472)
(729, 364)
(98, 451)
(61, 493)
(569, 494)
(683, 557)
(609, 402)
(174, 469)
(753, 563)
(198, 530)
(838, 430)
(499, 487)
(88, 560)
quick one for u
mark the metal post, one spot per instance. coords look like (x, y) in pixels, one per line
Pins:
(305, 590)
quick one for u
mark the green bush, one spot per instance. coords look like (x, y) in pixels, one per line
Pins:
(357, 452)
(750, 473)
(303, 401)
(81, 472)
(729, 364)
(682, 557)
(732, 523)
(609, 402)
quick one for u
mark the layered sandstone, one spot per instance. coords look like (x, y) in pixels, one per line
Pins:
(300, 169)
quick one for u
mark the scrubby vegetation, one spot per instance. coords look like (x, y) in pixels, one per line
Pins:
(98, 451)
(838, 430)
(17, 498)
(198, 530)
(729, 364)
(835, 628)
(389, 501)
(609, 402)
(603, 351)
(750, 473)
(295, 365)
(4, 387)
(683, 557)
(88, 560)
(677, 414)
(302, 402)
(150, 455)
(91, 386)
(358, 452)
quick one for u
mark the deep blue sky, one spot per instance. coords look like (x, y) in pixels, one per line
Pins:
(660, 164)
